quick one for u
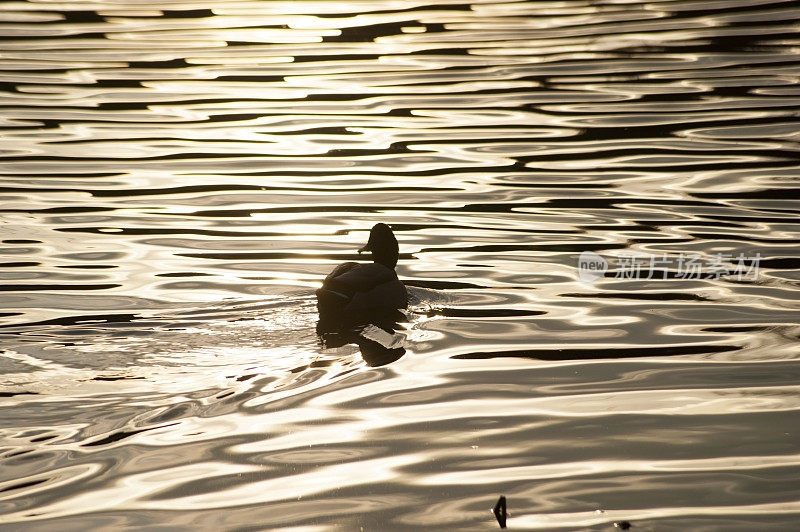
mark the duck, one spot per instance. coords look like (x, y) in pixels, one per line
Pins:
(357, 292)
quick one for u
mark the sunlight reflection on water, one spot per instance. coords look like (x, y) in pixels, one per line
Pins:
(176, 179)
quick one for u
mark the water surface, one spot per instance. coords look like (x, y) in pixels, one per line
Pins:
(176, 178)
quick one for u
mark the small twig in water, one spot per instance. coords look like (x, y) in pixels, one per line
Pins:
(500, 511)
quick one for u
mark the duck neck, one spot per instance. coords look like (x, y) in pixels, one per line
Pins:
(386, 258)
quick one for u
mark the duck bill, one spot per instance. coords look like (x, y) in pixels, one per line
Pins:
(365, 248)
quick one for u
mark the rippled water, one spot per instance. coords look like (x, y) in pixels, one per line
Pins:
(176, 178)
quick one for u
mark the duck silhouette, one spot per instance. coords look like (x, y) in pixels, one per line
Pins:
(363, 292)
(360, 303)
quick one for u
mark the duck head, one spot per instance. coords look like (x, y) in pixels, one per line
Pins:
(383, 246)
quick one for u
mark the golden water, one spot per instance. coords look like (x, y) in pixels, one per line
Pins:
(177, 177)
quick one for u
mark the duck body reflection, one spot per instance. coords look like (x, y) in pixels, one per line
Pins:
(356, 297)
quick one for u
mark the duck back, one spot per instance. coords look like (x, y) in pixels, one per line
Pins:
(357, 288)
(352, 277)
